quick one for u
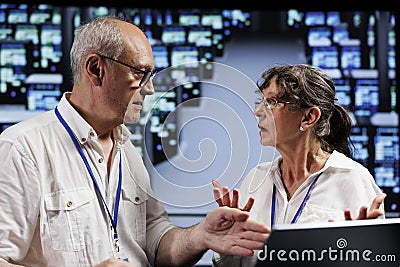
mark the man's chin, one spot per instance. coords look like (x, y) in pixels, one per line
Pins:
(131, 119)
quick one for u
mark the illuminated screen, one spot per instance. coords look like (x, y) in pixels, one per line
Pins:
(5, 32)
(3, 16)
(325, 57)
(184, 54)
(319, 36)
(189, 19)
(16, 16)
(161, 56)
(27, 32)
(14, 57)
(360, 139)
(200, 36)
(333, 18)
(173, 35)
(314, 18)
(366, 97)
(343, 92)
(350, 57)
(39, 16)
(43, 99)
(391, 58)
(162, 124)
(51, 40)
(213, 20)
(387, 165)
(340, 33)
(237, 18)
(185, 61)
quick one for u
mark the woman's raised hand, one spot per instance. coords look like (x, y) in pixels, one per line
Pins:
(223, 198)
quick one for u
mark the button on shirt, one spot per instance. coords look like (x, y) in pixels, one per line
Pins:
(50, 214)
(344, 183)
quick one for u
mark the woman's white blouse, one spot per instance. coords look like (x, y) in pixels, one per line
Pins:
(344, 183)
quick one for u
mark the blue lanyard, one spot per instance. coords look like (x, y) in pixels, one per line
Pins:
(77, 145)
(299, 210)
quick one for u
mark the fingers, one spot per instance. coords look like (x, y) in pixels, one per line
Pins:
(257, 239)
(374, 210)
(216, 184)
(230, 231)
(242, 218)
(374, 214)
(249, 204)
(218, 196)
(246, 247)
(114, 262)
(226, 198)
(376, 203)
(222, 197)
(363, 213)
(217, 191)
(221, 194)
(253, 226)
(248, 239)
(347, 215)
(235, 199)
(238, 215)
(239, 251)
(242, 247)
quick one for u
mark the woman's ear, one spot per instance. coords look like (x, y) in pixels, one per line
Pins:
(310, 117)
(94, 69)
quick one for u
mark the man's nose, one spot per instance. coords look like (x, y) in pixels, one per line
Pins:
(148, 89)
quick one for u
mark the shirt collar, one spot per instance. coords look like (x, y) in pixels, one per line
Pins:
(335, 160)
(338, 160)
(81, 128)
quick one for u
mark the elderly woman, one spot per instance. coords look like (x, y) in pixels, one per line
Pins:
(314, 178)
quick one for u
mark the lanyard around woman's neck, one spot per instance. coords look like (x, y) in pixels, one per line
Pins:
(299, 210)
(117, 199)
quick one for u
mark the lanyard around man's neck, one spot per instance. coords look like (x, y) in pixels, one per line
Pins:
(118, 196)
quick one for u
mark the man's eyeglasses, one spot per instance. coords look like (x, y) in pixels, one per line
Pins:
(147, 74)
(270, 103)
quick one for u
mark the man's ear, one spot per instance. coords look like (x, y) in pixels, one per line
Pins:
(94, 69)
(310, 117)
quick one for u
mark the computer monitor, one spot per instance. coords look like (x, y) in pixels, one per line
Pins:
(173, 35)
(359, 243)
(366, 97)
(387, 165)
(15, 62)
(326, 57)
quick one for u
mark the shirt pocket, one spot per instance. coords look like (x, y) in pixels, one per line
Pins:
(70, 215)
(314, 213)
(134, 201)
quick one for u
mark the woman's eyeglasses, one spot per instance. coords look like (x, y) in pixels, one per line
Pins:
(147, 75)
(270, 103)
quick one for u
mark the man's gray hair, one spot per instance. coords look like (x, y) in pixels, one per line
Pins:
(101, 36)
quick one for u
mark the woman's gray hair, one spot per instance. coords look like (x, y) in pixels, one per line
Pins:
(310, 86)
(101, 36)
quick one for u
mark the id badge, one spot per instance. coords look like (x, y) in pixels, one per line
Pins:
(122, 255)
